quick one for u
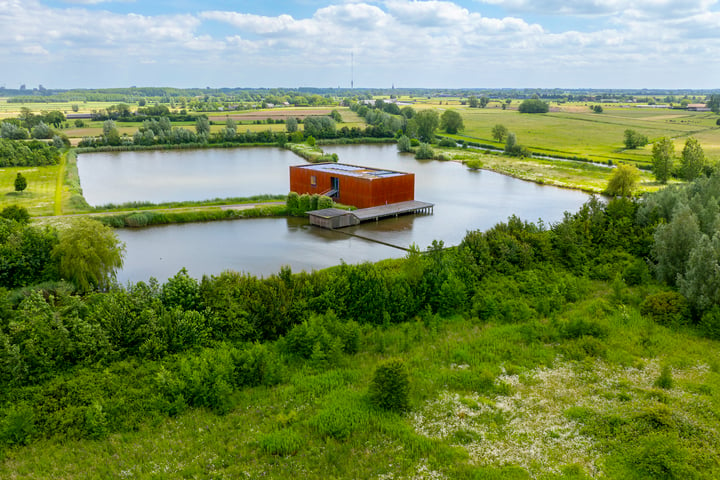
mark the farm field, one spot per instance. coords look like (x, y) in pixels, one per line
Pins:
(598, 137)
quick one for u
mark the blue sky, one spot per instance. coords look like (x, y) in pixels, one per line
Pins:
(437, 44)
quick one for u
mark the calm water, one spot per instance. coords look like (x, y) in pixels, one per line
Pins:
(464, 200)
(167, 176)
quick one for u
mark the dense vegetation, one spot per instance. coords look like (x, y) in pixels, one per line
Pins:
(24, 154)
(522, 296)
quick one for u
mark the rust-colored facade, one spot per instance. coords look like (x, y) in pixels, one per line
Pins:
(353, 185)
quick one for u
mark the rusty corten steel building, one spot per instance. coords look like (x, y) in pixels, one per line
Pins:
(361, 187)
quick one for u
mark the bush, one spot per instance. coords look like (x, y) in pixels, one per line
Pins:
(474, 164)
(666, 308)
(447, 142)
(665, 380)
(17, 213)
(281, 442)
(424, 152)
(390, 386)
(342, 415)
(533, 105)
(18, 425)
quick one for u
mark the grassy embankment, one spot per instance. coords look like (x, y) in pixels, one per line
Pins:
(580, 395)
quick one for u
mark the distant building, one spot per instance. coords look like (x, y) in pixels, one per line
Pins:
(361, 187)
(698, 107)
(79, 116)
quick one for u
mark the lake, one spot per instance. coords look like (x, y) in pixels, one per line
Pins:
(464, 200)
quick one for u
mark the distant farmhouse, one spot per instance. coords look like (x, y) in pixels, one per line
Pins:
(698, 107)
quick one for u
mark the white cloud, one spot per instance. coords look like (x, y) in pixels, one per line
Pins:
(422, 42)
(643, 8)
(35, 50)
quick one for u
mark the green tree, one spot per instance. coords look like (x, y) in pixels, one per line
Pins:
(499, 132)
(713, 103)
(634, 139)
(484, 101)
(403, 144)
(533, 105)
(473, 101)
(20, 182)
(692, 160)
(674, 241)
(42, 130)
(663, 152)
(88, 253)
(111, 133)
(451, 121)
(390, 386)
(202, 126)
(291, 125)
(426, 122)
(407, 112)
(623, 181)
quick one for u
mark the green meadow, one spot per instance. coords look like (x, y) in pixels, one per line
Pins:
(596, 137)
(39, 196)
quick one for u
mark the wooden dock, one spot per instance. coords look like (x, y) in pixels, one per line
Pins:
(333, 218)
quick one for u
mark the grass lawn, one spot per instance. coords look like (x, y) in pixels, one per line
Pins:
(39, 197)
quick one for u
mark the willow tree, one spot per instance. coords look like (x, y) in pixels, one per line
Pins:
(88, 254)
(623, 181)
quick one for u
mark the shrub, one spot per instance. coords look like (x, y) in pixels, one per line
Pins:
(710, 323)
(281, 442)
(404, 144)
(665, 380)
(17, 213)
(447, 142)
(390, 386)
(666, 308)
(342, 415)
(474, 164)
(324, 202)
(18, 425)
(424, 152)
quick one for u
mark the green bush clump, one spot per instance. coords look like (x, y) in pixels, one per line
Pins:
(343, 414)
(447, 142)
(390, 386)
(282, 442)
(666, 308)
(323, 338)
(17, 426)
(424, 152)
(665, 380)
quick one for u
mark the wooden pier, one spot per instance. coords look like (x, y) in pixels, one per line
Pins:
(334, 218)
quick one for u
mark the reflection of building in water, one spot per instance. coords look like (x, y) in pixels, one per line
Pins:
(361, 187)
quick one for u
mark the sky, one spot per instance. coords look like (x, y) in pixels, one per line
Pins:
(655, 44)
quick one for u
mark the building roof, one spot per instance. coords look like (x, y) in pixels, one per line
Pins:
(351, 170)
